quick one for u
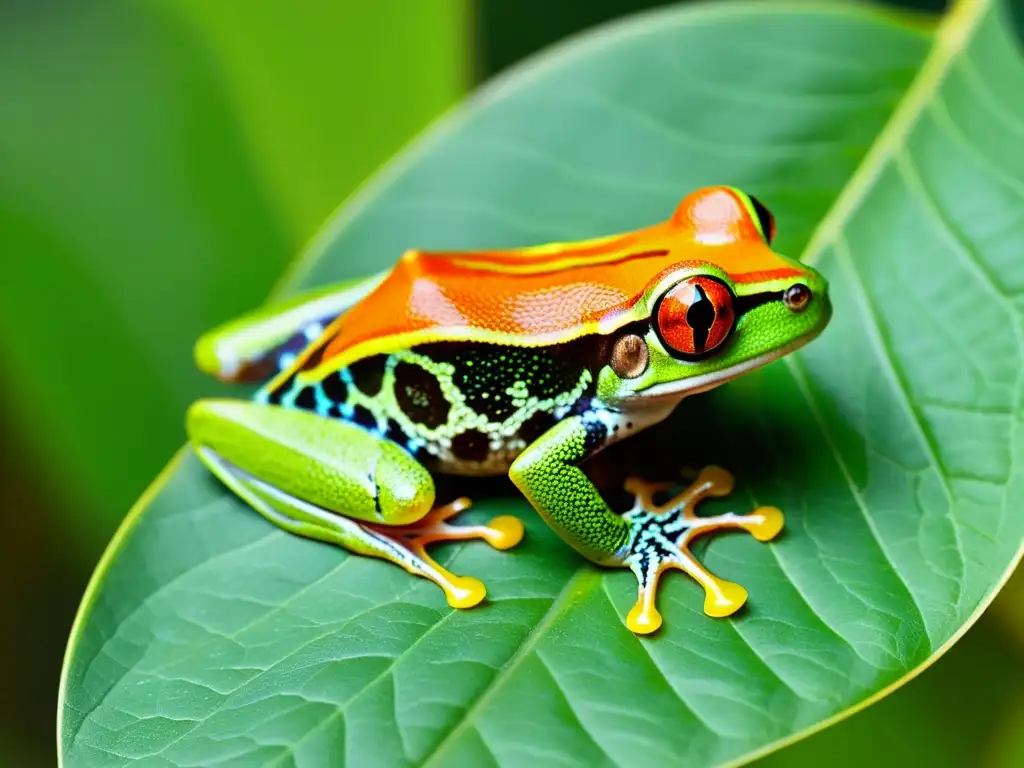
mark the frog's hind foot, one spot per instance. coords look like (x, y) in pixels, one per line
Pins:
(407, 545)
(660, 536)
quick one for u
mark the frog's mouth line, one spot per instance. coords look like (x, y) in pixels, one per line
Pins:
(698, 384)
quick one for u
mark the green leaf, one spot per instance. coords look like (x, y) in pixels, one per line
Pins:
(209, 637)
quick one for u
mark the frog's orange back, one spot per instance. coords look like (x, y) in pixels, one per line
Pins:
(550, 293)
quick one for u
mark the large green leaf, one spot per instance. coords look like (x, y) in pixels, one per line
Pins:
(209, 637)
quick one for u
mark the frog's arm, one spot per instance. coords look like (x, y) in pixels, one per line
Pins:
(649, 538)
(249, 348)
(549, 475)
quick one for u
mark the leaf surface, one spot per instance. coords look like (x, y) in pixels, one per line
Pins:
(210, 638)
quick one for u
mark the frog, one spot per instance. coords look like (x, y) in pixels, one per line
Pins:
(525, 362)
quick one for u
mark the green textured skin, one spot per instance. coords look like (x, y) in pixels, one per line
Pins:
(329, 463)
(548, 476)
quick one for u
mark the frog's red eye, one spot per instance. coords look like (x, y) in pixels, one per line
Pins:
(695, 316)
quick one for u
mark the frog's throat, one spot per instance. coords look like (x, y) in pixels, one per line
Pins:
(694, 386)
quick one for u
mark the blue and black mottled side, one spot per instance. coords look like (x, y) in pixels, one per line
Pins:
(455, 405)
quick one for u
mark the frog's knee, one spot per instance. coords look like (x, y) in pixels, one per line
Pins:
(405, 489)
(205, 418)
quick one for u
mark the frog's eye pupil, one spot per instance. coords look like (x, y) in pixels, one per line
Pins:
(700, 317)
(695, 316)
(765, 219)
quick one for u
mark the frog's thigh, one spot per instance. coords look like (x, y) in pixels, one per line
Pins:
(328, 463)
(336, 482)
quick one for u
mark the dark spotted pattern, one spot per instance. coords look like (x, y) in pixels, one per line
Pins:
(471, 445)
(419, 396)
(306, 398)
(536, 425)
(597, 433)
(484, 372)
(335, 388)
(368, 374)
(363, 417)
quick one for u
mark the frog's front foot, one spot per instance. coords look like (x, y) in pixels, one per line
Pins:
(660, 536)
(406, 545)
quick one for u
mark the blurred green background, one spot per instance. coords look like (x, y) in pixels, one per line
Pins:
(161, 163)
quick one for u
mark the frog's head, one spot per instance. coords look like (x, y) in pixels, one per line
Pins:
(728, 305)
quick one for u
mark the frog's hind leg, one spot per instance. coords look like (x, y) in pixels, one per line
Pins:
(256, 346)
(660, 537)
(336, 482)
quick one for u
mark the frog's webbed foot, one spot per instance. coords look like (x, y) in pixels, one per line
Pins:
(406, 545)
(661, 534)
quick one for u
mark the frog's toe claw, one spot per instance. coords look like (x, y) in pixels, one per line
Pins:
(660, 537)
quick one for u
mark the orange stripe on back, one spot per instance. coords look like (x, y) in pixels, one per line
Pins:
(559, 290)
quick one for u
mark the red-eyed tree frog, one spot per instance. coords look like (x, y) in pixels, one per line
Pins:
(526, 362)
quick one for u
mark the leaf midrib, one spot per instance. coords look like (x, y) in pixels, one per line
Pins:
(952, 35)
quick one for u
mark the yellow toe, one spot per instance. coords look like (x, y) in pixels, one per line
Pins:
(730, 598)
(771, 523)
(505, 532)
(643, 619)
(465, 592)
(719, 480)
